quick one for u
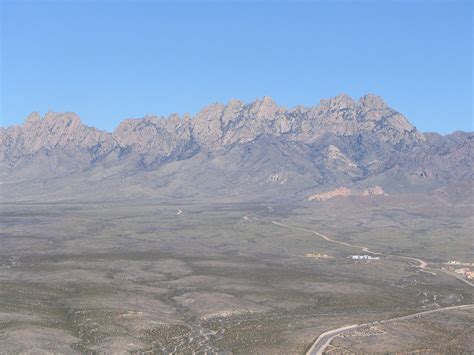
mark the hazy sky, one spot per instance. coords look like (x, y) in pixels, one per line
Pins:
(109, 60)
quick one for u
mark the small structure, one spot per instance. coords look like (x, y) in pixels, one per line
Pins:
(317, 256)
(455, 262)
(462, 271)
(364, 257)
(465, 272)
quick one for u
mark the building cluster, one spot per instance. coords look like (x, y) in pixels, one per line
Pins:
(455, 262)
(364, 257)
(465, 272)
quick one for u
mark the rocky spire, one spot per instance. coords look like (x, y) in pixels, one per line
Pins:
(32, 119)
(373, 102)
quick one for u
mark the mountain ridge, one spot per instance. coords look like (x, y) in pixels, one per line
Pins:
(255, 146)
(369, 99)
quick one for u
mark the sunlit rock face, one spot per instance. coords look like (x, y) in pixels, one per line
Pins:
(260, 147)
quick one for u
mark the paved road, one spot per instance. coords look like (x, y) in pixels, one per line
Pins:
(324, 339)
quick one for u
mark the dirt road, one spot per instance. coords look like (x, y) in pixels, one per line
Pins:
(421, 263)
(324, 339)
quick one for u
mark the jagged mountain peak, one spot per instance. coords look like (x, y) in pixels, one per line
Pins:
(53, 118)
(265, 107)
(373, 102)
(339, 141)
(32, 119)
(218, 125)
(339, 102)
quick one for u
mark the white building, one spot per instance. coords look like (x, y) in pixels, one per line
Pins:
(364, 257)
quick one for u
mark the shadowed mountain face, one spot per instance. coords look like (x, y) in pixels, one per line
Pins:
(238, 151)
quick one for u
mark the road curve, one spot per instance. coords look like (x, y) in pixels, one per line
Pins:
(325, 338)
(421, 263)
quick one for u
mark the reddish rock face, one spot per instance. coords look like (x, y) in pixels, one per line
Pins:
(339, 192)
(344, 191)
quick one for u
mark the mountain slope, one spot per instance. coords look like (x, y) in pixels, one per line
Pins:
(249, 151)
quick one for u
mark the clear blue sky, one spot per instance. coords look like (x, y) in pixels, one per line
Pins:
(110, 60)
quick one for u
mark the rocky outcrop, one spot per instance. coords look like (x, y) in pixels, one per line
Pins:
(55, 131)
(258, 146)
(339, 192)
(344, 192)
(214, 127)
(156, 139)
(374, 191)
(219, 124)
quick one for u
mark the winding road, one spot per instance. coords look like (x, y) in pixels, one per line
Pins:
(325, 338)
(421, 263)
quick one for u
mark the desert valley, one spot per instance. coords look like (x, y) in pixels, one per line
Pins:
(248, 228)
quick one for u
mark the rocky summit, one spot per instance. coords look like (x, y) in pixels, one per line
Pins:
(237, 151)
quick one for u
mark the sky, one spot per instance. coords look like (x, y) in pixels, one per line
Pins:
(111, 60)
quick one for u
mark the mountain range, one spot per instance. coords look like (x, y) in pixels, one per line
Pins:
(239, 151)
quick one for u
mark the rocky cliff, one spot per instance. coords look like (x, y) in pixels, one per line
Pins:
(239, 147)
